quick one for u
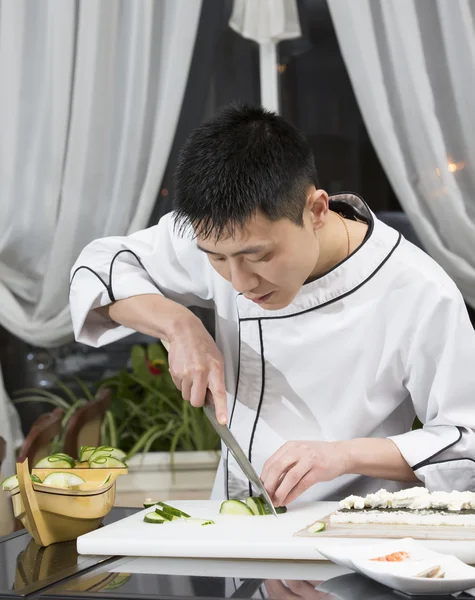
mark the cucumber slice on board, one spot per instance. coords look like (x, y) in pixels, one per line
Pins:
(148, 502)
(106, 462)
(166, 516)
(153, 517)
(166, 508)
(235, 507)
(196, 521)
(62, 480)
(317, 527)
(256, 506)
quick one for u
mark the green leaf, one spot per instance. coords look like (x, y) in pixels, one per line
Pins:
(85, 390)
(69, 393)
(109, 418)
(55, 401)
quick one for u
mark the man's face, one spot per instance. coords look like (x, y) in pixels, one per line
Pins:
(267, 261)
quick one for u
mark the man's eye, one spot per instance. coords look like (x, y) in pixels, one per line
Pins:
(262, 259)
(217, 258)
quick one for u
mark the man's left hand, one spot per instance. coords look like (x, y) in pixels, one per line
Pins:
(296, 466)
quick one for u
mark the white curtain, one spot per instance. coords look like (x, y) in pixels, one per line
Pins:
(90, 97)
(267, 22)
(412, 66)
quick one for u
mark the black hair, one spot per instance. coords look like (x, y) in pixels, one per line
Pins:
(242, 161)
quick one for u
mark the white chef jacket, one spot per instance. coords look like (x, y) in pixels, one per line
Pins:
(382, 337)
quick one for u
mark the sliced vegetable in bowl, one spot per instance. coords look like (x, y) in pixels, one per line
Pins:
(63, 479)
(107, 451)
(56, 461)
(10, 483)
(106, 462)
(85, 453)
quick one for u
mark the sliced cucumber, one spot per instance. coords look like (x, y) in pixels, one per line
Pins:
(166, 516)
(106, 462)
(85, 453)
(153, 517)
(256, 506)
(64, 456)
(62, 480)
(148, 502)
(235, 507)
(107, 451)
(54, 462)
(317, 527)
(10, 483)
(106, 480)
(166, 508)
(202, 522)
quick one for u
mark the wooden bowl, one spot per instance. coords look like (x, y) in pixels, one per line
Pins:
(53, 515)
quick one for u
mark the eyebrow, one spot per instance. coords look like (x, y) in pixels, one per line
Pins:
(249, 250)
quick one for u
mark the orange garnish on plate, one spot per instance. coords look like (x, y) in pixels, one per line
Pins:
(394, 557)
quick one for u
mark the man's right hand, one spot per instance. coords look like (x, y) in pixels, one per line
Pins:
(196, 365)
(195, 362)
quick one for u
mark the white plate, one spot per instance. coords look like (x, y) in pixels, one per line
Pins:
(401, 576)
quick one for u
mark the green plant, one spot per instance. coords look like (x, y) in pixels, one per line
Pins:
(147, 413)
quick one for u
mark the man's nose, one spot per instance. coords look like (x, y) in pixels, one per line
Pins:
(243, 281)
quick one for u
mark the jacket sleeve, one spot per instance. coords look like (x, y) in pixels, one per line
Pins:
(152, 261)
(441, 381)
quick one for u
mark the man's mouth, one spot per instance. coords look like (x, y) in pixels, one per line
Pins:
(261, 299)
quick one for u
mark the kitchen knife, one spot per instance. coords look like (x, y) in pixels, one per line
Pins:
(230, 442)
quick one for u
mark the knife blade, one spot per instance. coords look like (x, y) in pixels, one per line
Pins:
(231, 443)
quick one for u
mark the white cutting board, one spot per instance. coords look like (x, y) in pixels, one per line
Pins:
(232, 537)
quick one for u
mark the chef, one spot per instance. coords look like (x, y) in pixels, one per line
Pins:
(332, 331)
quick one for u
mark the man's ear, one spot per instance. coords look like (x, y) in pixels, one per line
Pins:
(317, 207)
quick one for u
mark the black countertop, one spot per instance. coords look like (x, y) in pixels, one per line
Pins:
(27, 570)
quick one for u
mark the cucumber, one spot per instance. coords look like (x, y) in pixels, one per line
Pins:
(166, 508)
(85, 453)
(106, 462)
(166, 516)
(62, 480)
(10, 483)
(255, 506)
(107, 451)
(148, 502)
(106, 480)
(235, 507)
(55, 462)
(317, 527)
(153, 517)
(202, 522)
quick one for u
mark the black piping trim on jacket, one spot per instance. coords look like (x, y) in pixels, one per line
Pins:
(91, 271)
(440, 462)
(263, 381)
(111, 292)
(427, 461)
(108, 286)
(348, 293)
(233, 407)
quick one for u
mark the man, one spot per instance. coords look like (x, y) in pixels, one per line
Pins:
(332, 331)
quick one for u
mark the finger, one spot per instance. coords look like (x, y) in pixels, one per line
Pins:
(277, 471)
(291, 480)
(186, 389)
(198, 390)
(218, 393)
(177, 381)
(287, 448)
(304, 484)
(301, 588)
(278, 591)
